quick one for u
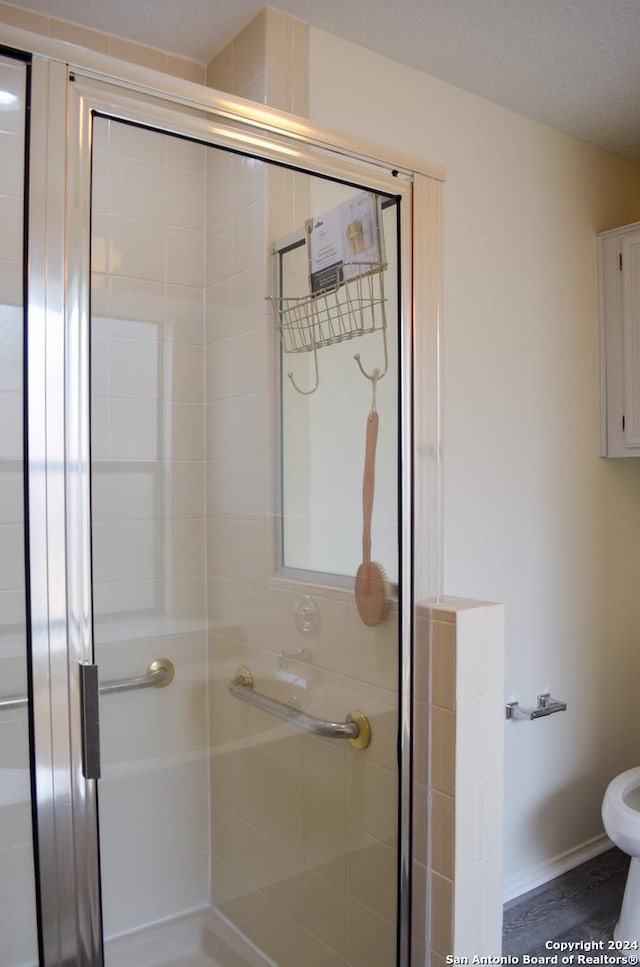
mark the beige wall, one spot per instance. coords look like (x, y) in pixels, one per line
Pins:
(532, 516)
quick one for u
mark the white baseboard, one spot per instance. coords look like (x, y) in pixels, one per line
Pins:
(520, 883)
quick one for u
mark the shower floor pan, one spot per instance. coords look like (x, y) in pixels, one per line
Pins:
(200, 939)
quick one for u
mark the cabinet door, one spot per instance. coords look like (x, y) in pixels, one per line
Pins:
(630, 248)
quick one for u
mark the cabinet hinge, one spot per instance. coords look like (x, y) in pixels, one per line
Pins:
(623, 424)
(620, 261)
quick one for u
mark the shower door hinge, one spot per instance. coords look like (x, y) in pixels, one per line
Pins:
(90, 716)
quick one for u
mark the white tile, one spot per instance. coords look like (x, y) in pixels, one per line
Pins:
(252, 487)
(470, 633)
(11, 235)
(12, 496)
(186, 486)
(492, 888)
(220, 311)
(11, 334)
(16, 879)
(249, 288)
(100, 367)
(250, 415)
(493, 656)
(221, 551)
(469, 742)
(100, 428)
(183, 431)
(137, 302)
(220, 442)
(128, 493)
(188, 714)
(136, 248)
(99, 182)
(133, 901)
(186, 598)
(220, 204)
(11, 557)
(19, 940)
(184, 314)
(372, 795)
(12, 154)
(131, 596)
(220, 381)
(186, 155)
(185, 555)
(10, 426)
(186, 367)
(12, 608)
(219, 252)
(250, 371)
(136, 431)
(185, 199)
(11, 286)
(493, 818)
(13, 121)
(137, 550)
(480, 819)
(469, 903)
(133, 142)
(100, 135)
(191, 882)
(491, 729)
(444, 750)
(220, 487)
(185, 256)
(135, 843)
(136, 189)
(249, 237)
(136, 369)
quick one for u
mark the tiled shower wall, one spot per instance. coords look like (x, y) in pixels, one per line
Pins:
(149, 499)
(17, 908)
(303, 829)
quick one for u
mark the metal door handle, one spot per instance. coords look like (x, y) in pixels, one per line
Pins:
(90, 716)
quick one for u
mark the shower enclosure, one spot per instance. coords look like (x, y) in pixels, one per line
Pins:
(205, 738)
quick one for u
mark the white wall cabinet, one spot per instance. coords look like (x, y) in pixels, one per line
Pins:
(619, 283)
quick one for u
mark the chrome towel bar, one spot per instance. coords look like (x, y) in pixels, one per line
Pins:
(356, 728)
(546, 706)
(158, 675)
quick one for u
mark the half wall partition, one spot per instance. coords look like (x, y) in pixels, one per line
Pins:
(220, 722)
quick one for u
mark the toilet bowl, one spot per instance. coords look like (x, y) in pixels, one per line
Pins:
(621, 818)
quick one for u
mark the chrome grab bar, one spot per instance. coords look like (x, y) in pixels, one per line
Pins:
(159, 674)
(356, 728)
(546, 706)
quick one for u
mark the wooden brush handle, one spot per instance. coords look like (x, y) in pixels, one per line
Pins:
(368, 484)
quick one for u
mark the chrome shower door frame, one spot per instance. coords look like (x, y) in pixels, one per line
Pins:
(65, 98)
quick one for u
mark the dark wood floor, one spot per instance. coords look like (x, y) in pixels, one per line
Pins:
(582, 904)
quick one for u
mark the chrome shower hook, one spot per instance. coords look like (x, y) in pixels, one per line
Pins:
(308, 392)
(377, 372)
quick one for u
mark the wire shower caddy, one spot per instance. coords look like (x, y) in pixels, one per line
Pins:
(354, 305)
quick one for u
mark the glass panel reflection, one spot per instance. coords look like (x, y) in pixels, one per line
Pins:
(221, 824)
(18, 936)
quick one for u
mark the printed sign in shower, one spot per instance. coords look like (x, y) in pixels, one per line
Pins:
(345, 242)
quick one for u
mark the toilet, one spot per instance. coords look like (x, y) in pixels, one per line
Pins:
(621, 818)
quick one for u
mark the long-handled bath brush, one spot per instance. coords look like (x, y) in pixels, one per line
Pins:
(372, 587)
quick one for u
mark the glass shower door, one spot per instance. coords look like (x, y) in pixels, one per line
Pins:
(18, 932)
(245, 809)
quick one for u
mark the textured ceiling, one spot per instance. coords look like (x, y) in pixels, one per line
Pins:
(573, 64)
